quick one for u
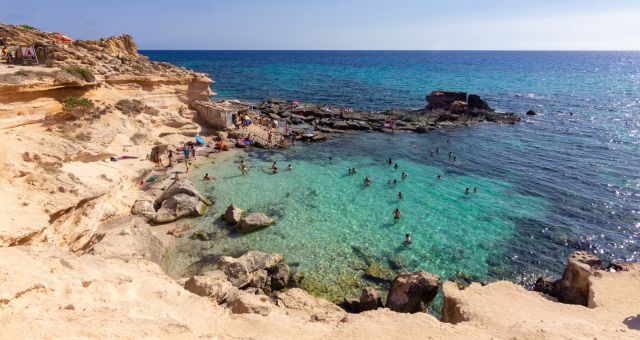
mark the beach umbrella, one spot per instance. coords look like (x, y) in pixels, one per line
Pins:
(62, 37)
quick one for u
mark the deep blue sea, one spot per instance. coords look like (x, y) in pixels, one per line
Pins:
(567, 179)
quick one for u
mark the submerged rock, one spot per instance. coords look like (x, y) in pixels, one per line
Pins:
(412, 292)
(254, 221)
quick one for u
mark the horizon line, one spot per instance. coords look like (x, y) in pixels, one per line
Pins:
(383, 50)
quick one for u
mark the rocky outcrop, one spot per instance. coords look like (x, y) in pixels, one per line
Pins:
(412, 292)
(213, 284)
(233, 214)
(254, 269)
(573, 287)
(444, 99)
(280, 276)
(300, 304)
(254, 221)
(475, 102)
(370, 299)
(126, 238)
(143, 208)
(180, 199)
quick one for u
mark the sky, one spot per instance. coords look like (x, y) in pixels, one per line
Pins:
(342, 25)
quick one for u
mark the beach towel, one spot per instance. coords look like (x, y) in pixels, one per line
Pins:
(199, 140)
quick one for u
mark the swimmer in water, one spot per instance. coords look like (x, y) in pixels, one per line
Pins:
(389, 161)
(437, 149)
(466, 192)
(404, 175)
(207, 177)
(289, 167)
(395, 166)
(407, 239)
(367, 181)
(273, 166)
(396, 215)
(439, 177)
(450, 155)
(400, 195)
(475, 190)
(274, 170)
(395, 181)
(431, 153)
(454, 158)
(353, 170)
(243, 167)
(448, 141)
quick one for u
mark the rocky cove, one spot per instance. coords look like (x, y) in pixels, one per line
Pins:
(82, 242)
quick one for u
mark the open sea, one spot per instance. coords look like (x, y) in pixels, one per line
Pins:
(565, 180)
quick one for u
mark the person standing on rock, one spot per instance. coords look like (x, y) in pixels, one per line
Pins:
(396, 215)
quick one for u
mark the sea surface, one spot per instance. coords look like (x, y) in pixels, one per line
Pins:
(567, 179)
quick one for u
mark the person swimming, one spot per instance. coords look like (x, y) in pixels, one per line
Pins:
(349, 171)
(395, 181)
(273, 166)
(367, 181)
(400, 195)
(396, 215)
(389, 161)
(207, 177)
(450, 155)
(475, 190)
(395, 166)
(404, 175)
(454, 158)
(289, 167)
(466, 192)
(437, 149)
(407, 239)
(439, 177)
(353, 170)
(274, 170)
(431, 153)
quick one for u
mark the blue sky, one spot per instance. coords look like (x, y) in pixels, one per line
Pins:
(332, 24)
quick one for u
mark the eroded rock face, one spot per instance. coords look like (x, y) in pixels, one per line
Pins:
(253, 269)
(254, 221)
(300, 303)
(212, 284)
(370, 299)
(574, 286)
(126, 238)
(250, 304)
(178, 206)
(233, 214)
(280, 277)
(181, 186)
(475, 102)
(412, 292)
(458, 107)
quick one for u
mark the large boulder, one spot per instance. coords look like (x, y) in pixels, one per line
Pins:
(475, 102)
(213, 284)
(254, 221)
(251, 269)
(178, 206)
(250, 304)
(126, 238)
(180, 186)
(412, 292)
(443, 99)
(233, 214)
(574, 286)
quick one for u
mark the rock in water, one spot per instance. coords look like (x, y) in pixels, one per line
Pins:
(458, 107)
(370, 299)
(531, 113)
(212, 284)
(178, 206)
(412, 292)
(475, 102)
(280, 277)
(254, 221)
(233, 214)
(443, 99)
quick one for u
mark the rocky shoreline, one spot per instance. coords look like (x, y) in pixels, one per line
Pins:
(81, 250)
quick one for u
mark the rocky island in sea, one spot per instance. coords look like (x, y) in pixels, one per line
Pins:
(90, 208)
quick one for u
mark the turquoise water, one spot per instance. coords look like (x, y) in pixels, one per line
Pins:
(565, 180)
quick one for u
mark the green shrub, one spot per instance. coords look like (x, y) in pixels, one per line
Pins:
(81, 73)
(74, 102)
(29, 27)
